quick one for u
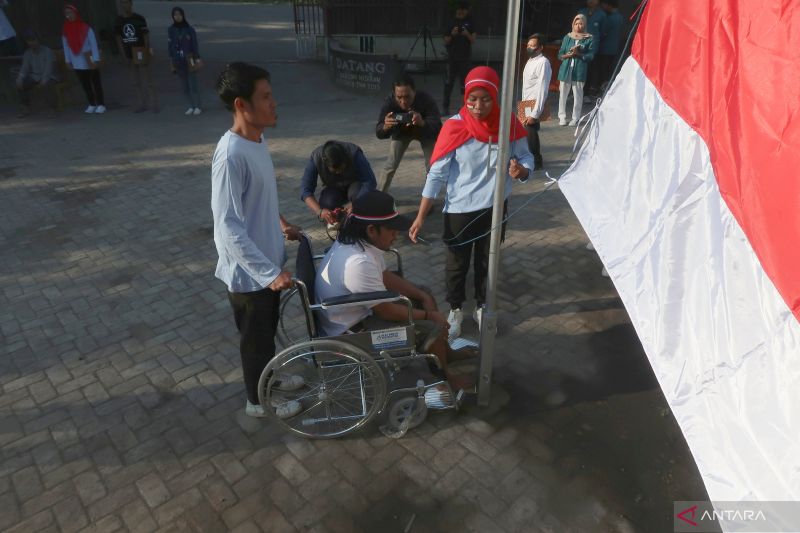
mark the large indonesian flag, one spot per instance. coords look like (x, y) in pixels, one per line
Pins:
(689, 188)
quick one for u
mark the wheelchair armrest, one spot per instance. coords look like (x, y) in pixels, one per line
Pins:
(377, 297)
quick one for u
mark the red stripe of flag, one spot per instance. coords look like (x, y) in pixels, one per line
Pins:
(730, 69)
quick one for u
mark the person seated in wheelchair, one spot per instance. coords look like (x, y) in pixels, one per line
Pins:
(355, 264)
(345, 173)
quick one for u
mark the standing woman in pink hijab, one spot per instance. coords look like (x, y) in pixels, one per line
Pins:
(82, 55)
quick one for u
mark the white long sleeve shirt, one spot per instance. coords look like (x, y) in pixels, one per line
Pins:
(78, 61)
(247, 225)
(536, 81)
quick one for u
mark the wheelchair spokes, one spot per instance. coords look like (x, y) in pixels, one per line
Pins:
(345, 388)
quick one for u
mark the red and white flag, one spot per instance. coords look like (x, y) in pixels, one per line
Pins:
(689, 188)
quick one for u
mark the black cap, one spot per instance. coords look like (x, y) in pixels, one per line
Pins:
(377, 208)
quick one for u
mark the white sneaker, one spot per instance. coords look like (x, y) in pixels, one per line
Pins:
(455, 318)
(477, 315)
(189, 111)
(90, 109)
(282, 409)
(562, 122)
(196, 111)
(100, 109)
(254, 410)
(289, 382)
(573, 122)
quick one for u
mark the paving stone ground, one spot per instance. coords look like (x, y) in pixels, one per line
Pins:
(122, 404)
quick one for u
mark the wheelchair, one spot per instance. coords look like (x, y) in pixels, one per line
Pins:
(354, 378)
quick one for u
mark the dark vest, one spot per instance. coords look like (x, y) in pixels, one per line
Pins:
(337, 180)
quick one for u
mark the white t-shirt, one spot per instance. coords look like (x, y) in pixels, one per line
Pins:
(347, 269)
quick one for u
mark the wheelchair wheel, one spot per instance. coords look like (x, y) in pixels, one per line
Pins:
(292, 327)
(399, 410)
(344, 388)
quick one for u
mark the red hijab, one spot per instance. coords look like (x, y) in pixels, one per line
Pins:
(456, 132)
(75, 31)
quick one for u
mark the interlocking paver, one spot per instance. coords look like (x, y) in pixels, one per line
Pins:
(153, 490)
(120, 382)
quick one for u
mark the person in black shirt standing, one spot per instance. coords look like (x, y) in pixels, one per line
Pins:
(406, 115)
(133, 38)
(459, 36)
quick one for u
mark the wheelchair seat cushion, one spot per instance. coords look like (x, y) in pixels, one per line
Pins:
(360, 298)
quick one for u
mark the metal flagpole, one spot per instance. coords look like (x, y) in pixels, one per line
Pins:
(489, 317)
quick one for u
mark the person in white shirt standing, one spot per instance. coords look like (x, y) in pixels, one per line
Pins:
(249, 231)
(535, 85)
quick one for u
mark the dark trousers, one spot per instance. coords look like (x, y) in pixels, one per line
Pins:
(458, 257)
(29, 85)
(333, 197)
(256, 316)
(592, 78)
(533, 144)
(605, 64)
(456, 70)
(397, 148)
(8, 47)
(90, 81)
(145, 87)
(190, 87)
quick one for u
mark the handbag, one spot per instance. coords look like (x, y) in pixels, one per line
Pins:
(193, 63)
(526, 109)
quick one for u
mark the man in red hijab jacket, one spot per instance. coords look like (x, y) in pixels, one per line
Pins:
(463, 162)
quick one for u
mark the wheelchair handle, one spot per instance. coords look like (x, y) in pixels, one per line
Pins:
(307, 307)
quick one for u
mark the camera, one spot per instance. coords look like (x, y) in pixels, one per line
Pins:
(403, 118)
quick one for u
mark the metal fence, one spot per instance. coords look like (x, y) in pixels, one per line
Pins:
(410, 17)
(309, 22)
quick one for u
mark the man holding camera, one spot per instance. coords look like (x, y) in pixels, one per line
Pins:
(406, 115)
(459, 36)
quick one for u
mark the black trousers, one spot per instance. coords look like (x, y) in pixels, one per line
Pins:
(473, 225)
(90, 81)
(333, 197)
(533, 144)
(456, 70)
(256, 316)
(29, 85)
(605, 64)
